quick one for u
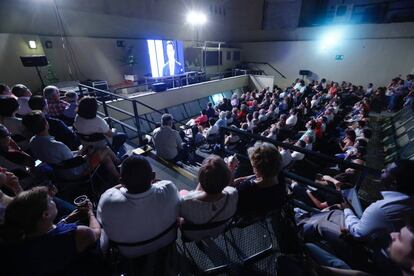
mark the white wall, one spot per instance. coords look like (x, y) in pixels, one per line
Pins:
(177, 96)
(365, 60)
(11, 69)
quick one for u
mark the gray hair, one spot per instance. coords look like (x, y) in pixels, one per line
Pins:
(166, 119)
(49, 91)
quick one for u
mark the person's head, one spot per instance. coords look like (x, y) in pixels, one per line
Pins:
(209, 105)
(4, 138)
(245, 126)
(35, 122)
(401, 249)
(361, 152)
(167, 120)
(398, 176)
(30, 211)
(228, 115)
(20, 90)
(370, 85)
(211, 121)
(51, 93)
(37, 103)
(265, 160)
(8, 106)
(361, 143)
(203, 112)
(350, 134)
(4, 90)
(88, 107)
(136, 174)
(311, 124)
(170, 50)
(214, 175)
(222, 114)
(71, 97)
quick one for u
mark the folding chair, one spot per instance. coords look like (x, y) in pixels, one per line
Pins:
(150, 263)
(205, 243)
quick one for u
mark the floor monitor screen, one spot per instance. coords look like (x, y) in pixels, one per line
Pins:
(166, 57)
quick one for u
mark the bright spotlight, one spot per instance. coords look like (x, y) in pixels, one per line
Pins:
(196, 18)
(332, 39)
(32, 44)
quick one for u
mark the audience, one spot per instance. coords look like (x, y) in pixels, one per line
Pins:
(312, 116)
(45, 148)
(57, 128)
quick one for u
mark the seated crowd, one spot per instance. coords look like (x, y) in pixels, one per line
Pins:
(43, 234)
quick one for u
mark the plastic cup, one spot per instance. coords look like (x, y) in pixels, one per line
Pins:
(81, 201)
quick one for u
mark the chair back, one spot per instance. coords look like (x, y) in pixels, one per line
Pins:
(94, 137)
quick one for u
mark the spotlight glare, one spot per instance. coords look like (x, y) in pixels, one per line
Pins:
(332, 39)
(32, 44)
(196, 18)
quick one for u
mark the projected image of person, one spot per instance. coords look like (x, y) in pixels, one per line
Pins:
(172, 66)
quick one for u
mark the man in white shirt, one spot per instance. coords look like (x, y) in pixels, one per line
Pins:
(293, 118)
(167, 141)
(23, 95)
(138, 210)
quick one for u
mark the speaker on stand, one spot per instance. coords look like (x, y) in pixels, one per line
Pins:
(304, 73)
(35, 61)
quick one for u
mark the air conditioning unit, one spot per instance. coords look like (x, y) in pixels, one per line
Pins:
(343, 13)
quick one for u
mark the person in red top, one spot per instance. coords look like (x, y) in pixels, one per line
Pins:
(202, 119)
(333, 90)
(55, 105)
(241, 116)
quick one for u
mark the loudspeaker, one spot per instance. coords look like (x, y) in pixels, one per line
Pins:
(305, 72)
(34, 61)
(159, 87)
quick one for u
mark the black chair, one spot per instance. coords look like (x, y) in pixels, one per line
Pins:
(157, 262)
(207, 245)
(71, 188)
(251, 220)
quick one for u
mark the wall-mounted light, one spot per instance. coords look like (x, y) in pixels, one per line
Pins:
(32, 44)
(196, 18)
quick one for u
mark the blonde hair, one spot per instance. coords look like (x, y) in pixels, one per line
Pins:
(265, 159)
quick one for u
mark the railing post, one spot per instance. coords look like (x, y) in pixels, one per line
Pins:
(105, 108)
(222, 137)
(137, 122)
(80, 90)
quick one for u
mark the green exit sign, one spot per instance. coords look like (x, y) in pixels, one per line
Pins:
(339, 57)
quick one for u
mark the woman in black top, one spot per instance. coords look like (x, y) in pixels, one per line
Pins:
(265, 190)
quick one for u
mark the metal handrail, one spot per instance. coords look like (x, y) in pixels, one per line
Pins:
(268, 64)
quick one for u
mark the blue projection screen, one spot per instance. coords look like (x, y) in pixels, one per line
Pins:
(166, 57)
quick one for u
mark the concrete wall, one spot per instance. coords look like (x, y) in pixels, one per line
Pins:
(83, 58)
(365, 60)
(177, 96)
